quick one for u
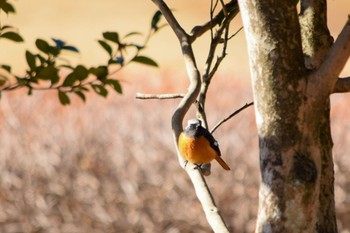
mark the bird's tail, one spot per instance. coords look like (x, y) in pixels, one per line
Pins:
(222, 163)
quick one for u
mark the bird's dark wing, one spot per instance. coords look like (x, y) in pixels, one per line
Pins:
(213, 143)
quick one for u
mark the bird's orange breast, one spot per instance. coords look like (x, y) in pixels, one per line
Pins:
(196, 150)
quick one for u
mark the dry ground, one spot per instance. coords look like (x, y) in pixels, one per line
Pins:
(109, 165)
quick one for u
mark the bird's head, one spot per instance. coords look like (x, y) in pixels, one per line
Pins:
(192, 127)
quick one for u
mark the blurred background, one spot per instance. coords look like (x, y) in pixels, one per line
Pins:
(109, 165)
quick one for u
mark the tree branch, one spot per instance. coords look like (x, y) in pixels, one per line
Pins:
(159, 96)
(230, 116)
(221, 37)
(342, 85)
(203, 193)
(191, 67)
(325, 78)
(316, 42)
(197, 31)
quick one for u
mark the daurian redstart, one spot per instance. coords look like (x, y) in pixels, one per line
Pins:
(198, 146)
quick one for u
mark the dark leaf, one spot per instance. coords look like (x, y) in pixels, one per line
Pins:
(42, 45)
(2, 82)
(14, 36)
(22, 81)
(115, 84)
(100, 72)
(5, 27)
(145, 60)
(7, 7)
(106, 47)
(132, 34)
(48, 73)
(30, 60)
(59, 43)
(81, 88)
(41, 59)
(99, 89)
(112, 36)
(117, 60)
(81, 72)
(70, 80)
(6, 67)
(70, 48)
(67, 66)
(54, 51)
(139, 47)
(63, 97)
(155, 20)
(81, 95)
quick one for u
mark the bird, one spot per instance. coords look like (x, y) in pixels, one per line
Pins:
(198, 146)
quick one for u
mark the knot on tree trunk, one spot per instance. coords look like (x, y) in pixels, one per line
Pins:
(304, 169)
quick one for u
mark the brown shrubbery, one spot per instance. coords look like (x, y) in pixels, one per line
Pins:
(109, 165)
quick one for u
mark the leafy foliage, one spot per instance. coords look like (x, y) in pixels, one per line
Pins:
(8, 32)
(46, 66)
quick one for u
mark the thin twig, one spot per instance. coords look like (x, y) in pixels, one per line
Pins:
(199, 30)
(215, 41)
(158, 96)
(234, 34)
(230, 116)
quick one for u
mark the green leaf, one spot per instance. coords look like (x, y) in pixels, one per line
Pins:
(43, 46)
(82, 88)
(145, 60)
(2, 82)
(41, 59)
(106, 47)
(81, 72)
(112, 36)
(81, 95)
(48, 73)
(99, 89)
(100, 72)
(69, 80)
(132, 34)
(7, 7)
(6, 67)
(115, 84)
(155, 20)
(30, 60)
(63, 97)
(67, 66)
(3, 28)
(14, 36)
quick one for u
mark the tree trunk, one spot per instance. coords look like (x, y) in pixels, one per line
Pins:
(296, 192)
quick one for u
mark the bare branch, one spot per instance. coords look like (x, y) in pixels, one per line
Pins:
(342, 85)
(316, 42)
(234, 34)
(158, 96)
(191, 67)
(197, 31)
(230, 116)
(211, 211)
(221, 37)
(213, 216)
(326, 76)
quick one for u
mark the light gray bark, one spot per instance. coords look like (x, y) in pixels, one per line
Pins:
(292, 76)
